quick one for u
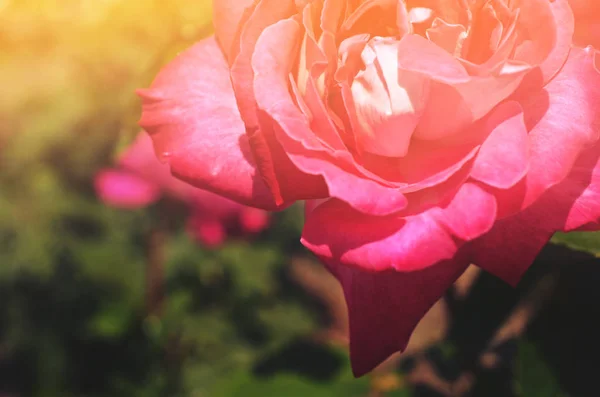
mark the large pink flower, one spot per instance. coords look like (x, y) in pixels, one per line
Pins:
(424, 134)
(141, 179)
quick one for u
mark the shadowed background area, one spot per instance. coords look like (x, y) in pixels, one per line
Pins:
(99, 300)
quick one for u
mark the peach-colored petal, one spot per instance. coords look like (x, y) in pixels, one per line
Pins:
(227, 17)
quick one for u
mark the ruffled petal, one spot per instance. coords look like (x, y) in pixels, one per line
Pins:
(277, 171)
(335, 231)
(192, 116)
(455, 99)
(308, 153)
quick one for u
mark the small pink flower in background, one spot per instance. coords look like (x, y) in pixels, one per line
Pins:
(423, 136)
(141, 179)
(124, 190)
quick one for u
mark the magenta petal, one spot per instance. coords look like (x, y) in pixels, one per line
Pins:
(503, 159)
(583, 181)
(514, 242)
(563, 120)
(192, 116)
(335, 231)
(125, 190)
(511, 246)
(385, 307)
(470, 213)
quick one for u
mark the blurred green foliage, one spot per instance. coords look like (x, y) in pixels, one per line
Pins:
(534, 377)
(74, 318)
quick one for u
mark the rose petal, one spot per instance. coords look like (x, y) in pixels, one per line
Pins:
(455, 99)
(282, 178)
(430, 163)
(191, 114)
(376, 17)
(263, 144)
(563, 120)
(335, 231)
(557, 45)
(564, 33)
(447, 36)
(503, 158)
(227, 16)
(385, 307)
(302, 147)
(587, 22)
(559, 192)
(514, 242)
(388, 102)
(470, 213)
(266, 13)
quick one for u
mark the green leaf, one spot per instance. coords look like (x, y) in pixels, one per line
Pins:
(112, 321)
(582, 241)
(533, 376)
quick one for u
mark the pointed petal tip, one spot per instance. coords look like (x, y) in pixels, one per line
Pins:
(363, 366)
(149, 94)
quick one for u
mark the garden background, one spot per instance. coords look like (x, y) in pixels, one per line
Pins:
(98, 301)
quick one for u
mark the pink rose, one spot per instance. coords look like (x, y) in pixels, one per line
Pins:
(424, 137)
(141, 179)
